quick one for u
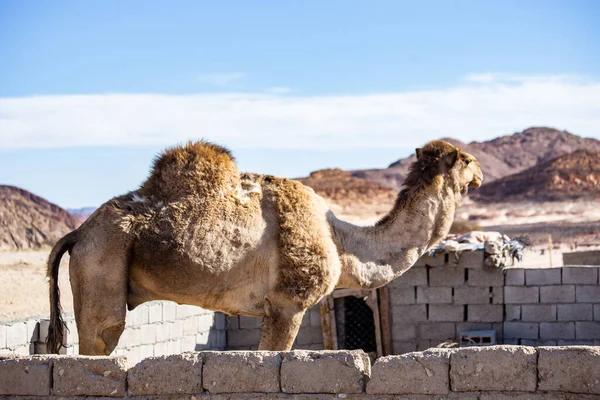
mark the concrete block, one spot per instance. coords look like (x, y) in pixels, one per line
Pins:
(173, 346)
(315, 316)
(502, 368)
(188, 343)
(437, 260)
(521, 330)
(25, 376)
(538, 312)
(434, 295)
(486, 277)
(587, 330)
(241, 371)
(205, 322)
(414, 373)
(521, 295)
(3, 336)
(133, 355)
(89, 376)
(404, 331)
(401, 347)
(155, 312)
(415, 276)
(472, 326)
(175, 374)
(140, 316)
(537, 342)
(160, 349)
(596, 312)
(220, 321)
(446, 276)
(498, 295)
(575, 342)
(305, 321)
(148, 333)
(243, 337)
(176, 329)
(588, 294)
(512, 312)
(591, 257)
(411, 313)
(162, 332)
(470, 259)
(569, 369)
(471, 295)
(33, 330)
(190, 326)
(250, 322)
(424, 344)
(485, 312)
(16, 334)
(543, 276)
(557, 294)
(310, 335)
(404, 295)
(514, 276)
(169, 311)
(233, 322)
(436, 331)
(575, 312)
(579, 275)
(324, 372)
(446, 313)
(557, 330)
(147, 350)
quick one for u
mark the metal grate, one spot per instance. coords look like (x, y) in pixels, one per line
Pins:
(355, 318)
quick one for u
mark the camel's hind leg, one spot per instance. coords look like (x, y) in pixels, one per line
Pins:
(99, 276)
(279, 325)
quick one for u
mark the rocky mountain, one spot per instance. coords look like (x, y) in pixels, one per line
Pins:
(81, 213)
(500, 157)
(28, 221)
(571, 176)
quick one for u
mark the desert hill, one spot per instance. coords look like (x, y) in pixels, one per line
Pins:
(500, 157)
(571, 176)
(28, 221)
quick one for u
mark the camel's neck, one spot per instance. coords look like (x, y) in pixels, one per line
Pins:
(373, 256)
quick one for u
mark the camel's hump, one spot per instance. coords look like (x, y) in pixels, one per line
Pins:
(197, 167)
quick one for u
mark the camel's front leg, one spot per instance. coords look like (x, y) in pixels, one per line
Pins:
(279, 325)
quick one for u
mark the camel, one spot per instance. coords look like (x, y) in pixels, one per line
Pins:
(198, 232)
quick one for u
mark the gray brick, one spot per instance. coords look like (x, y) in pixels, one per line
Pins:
(25, 376)
(434, 295)
(587, 330)
(155, 312)
(415, 276)
(588, 294)
(418, 373)
(446, 313)
(521, 295)
(498, 295)
(596, 312)
(315, 316)
(538, 312)
(241, 371)
(436, 261)
(446, 276)
(324, 372)
(178, 373)
(249, 322)
(502, 368)
(472, 326)
(521, 330)
(514, 276)
(404, 295)
(91, 376)
(581, 342)
(580, 275)
(410, 313)
(233, 322)
(169, 311)
(471, 295)
(16, 334)
(243, 337)
(424, 344)
(575, 312)
(471, 259)
(512, 312)
(557, 294)
(404, 331)
(537, 343)
(485, 312)
(310, 335)
(557, 330)
(486, 277)
(436, 330)
(568, 369)
(404, 347)
(220, 321)
(140, 315)
(591, 257)
(544, 276)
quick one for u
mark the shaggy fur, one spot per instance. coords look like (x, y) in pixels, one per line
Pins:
(197, 232)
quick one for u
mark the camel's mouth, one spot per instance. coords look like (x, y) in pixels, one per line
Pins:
(476, 182)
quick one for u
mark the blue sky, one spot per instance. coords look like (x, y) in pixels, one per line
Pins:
(90, 91)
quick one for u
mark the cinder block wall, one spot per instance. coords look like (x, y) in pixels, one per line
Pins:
(496, 372)
(152, 329)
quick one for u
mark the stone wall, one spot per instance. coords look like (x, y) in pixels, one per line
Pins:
(497, 372)
(152, 329)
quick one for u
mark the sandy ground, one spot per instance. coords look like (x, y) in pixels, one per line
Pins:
(24, 286)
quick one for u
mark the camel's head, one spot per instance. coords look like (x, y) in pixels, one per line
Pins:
(462, 168)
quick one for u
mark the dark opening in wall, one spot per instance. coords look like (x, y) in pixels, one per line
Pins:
(355, 324)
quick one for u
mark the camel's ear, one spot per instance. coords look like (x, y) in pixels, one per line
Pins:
(451, 158)
(419, 152)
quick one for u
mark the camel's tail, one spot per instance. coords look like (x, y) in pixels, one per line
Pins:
(56, 330)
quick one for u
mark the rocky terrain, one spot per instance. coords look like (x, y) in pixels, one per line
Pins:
(28, 221)
(500, 157)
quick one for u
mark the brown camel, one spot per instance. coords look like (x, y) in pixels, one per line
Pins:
(198, 232)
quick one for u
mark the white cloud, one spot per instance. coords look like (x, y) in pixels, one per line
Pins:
(478, 110)
(221, 78)
(279, 90)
